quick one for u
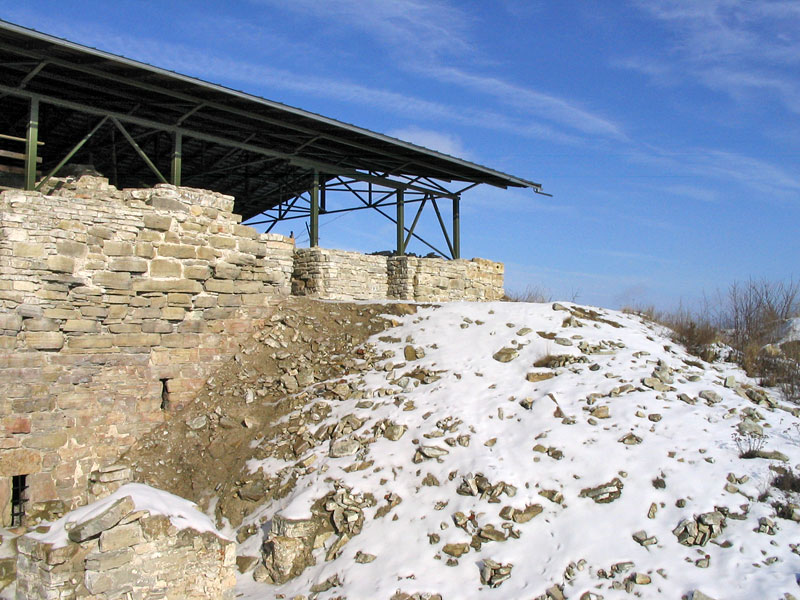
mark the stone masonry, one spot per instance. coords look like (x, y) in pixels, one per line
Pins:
(125, 553)
(115, 306)
(342, 275)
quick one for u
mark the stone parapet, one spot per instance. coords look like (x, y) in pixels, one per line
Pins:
(339, 275)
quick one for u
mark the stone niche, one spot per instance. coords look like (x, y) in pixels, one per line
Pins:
(121, 547)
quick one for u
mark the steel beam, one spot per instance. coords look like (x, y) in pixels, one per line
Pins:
(401, 236)
(31, 144)
(456, 227)
(444, 229)
(314, 220)
(139, 150)
(177, 158)
(71, 153)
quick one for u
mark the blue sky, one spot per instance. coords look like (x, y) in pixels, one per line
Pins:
(667, 131)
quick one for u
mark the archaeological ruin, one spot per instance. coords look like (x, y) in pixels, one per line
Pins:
(137, 253)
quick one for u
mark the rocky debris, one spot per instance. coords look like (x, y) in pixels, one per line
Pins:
(505, 355)
(630, 439)
(553, 495)
(536, 377)
(604, 493)
(509, 513)
(559, 361)
(493, 573)
(429, 452)
(766, 525)
(455, 550)
(479, 485)
(364, 558)
(711, 397)
(641, 538)
(701, 529)
(107, 480)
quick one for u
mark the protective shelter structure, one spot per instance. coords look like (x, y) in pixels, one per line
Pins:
(140, 125)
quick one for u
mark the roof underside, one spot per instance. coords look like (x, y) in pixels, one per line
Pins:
(259, 151)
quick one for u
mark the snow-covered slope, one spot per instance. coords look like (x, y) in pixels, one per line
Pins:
(620, 445)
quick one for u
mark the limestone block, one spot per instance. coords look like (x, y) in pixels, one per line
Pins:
(176, 251)
(10, 322)
(224, 270)
(200, 272)
(144, 250)
(224, 286)
(28, 250)
(165, 268)
(222, 242)
(72, 249)
(126, 340)
(103, 561)
(44, 340)
(61, 264)
(130, 265)
(121, 536)
(117, 248)
(158, 222)
(19, 461)
(156, 326)
(114, 281)
(81, 326)
(45, 441)
(168, 285)
(173, 313)
(105, 520)
(104, 233)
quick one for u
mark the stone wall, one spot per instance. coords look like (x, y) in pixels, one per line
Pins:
(341, 275)
(115, 306)
(123, 552)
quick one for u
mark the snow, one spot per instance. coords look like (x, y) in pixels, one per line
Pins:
(182, 513)
(690, 448)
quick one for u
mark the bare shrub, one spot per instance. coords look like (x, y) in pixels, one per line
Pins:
(788, 481)
(749, 444)
(754, 311)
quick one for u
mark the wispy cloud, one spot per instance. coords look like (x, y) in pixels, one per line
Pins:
(733, 46)
(431, 27)
(531, 102)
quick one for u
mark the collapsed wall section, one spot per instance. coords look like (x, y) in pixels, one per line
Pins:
(115, 306)
(342, 275)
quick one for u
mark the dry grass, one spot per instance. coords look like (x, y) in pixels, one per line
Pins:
(530, 294)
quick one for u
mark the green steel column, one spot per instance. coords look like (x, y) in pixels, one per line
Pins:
(401, 231)
(457, 227)
(314, 233)
(177, 156)
(31, 144)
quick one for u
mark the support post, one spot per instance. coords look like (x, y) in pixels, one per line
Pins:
(314, 232)
(31, 144)
(323, 201)
(457, 227)
(401, 230)
(177, 158)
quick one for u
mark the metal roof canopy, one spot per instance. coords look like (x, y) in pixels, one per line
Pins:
(135, 122)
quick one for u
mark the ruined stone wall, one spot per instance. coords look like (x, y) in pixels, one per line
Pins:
(115, 306)
(138, 555)
(341, 275)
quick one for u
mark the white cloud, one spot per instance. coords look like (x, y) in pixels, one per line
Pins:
(447, 143)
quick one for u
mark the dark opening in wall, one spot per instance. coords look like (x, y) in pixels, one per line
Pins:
(164, 395)
(19, 497)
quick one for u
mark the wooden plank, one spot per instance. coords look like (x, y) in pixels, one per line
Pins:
(16, 170)
(16, 139)
(17, 155)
